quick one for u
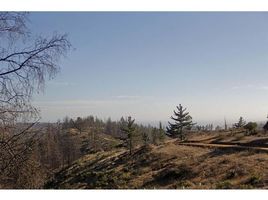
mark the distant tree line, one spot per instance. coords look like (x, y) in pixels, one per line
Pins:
(125, 129)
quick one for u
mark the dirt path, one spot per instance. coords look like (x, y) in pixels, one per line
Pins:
(224, 146)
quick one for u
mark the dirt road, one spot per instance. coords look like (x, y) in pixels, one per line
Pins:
(224, 146)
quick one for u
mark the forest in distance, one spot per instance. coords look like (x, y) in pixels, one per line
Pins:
(91, 153)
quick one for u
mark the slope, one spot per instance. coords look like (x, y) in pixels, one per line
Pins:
(170, 165)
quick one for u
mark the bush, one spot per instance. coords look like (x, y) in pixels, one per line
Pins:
(181, 172)
(254, 180)
(231, 174)
(251, 127)
(224, 185)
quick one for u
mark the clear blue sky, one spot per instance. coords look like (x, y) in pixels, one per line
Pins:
(144, 64)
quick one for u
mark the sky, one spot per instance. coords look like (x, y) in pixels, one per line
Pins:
(145, 64)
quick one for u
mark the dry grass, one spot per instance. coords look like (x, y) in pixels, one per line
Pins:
(169, 165)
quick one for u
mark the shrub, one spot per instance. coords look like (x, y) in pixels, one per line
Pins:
(224, 185)
(254, 180)
(231, 174)
(251, 127)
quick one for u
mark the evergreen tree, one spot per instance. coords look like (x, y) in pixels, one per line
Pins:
(265, 127)
(154, 136)
(79, 124)
(240, 124)
(182, 121)
(161, 136)
(128, 128)
(66, 123)
(218, 128)
(145, 139)
(108, 127)
(225, 125)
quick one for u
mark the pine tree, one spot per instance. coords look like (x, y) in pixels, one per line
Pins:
(128, 128)
(79, 124)
(108, 127)
(154, 136)
(240, 124)
(145, 139)
(265, 127)
(218, 128)
(161, 133)
(182, 121)
(225, 125)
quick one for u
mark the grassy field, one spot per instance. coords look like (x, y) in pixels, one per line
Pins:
(174, 165)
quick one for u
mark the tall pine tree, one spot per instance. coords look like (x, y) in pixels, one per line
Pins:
(182, 121)
(161, 133)
(128, 128)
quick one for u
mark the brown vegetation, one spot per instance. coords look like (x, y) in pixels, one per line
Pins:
(170, 165)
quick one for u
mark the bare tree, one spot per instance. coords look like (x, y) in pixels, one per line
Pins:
(13, 25)
(25, 64)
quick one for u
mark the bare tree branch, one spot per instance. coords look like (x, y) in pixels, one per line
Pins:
(24, 67)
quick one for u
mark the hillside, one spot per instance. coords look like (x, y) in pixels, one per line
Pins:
(170, 165)
(89, 142)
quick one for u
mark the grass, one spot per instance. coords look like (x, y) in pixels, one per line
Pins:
(170, 166)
